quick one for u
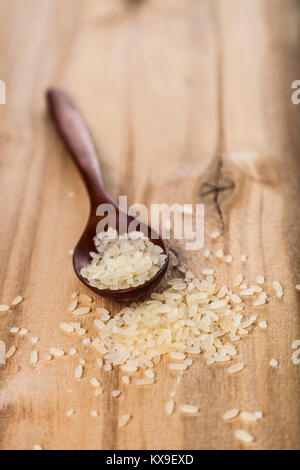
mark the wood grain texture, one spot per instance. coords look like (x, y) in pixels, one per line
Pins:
(169, 89)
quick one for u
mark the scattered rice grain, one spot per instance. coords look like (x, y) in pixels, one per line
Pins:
(177, 366)
(78, 372)
(17, 300)
(23, 331)
(170, 407)
(14, 329)
(295, 343)
(73, 305)
(231, 414)
(4, 308)
(258, 414)
(37, 447)
(215, 235)
(235, 368)
(81, 310)
(189, 409)
(2, 352)
(10, 352)
(243, 436)
(247, 416)
(144, 381)
(94, 382)
(124, 420)
(66, 327)
(34, 357)
(296, 357)
(56, 352)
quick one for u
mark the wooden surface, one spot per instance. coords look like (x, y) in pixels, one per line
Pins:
(169, 89)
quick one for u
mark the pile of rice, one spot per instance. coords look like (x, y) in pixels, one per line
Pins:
(189, 317)
(122, 261)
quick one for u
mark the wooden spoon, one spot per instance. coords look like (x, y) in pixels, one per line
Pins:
(78, 140)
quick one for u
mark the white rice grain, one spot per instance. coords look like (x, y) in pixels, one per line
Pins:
(37, 447)
(170, 407)
(23, 331)
(296, 357)
(295, 344)
(66, 327)
(230, 414)
(2, 352)
(243, 436)
(17, 300)
(94, 382)
(81, 310)
(14, 329)
(56, 352)
(4, 307)
(247, 416)
(215, 235)
(177, 366)
(189, 409)
(86, 298)
(73, 305)
(144, 381)
(34, 357)
(235, 368)
(149, 374)
(10, 352)
(237, 280)
(124, 420)
(78, 372)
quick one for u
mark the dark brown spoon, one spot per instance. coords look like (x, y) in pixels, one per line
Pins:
(78, 140)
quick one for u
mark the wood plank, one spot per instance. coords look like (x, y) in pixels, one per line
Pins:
(174, 92)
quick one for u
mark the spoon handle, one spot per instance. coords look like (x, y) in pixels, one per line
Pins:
(79, 142)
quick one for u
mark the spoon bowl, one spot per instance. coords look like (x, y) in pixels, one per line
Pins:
(78, 141)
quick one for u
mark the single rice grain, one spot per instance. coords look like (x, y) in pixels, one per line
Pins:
(230, 414)
(170, 407)
(189, 409)
(56, 352)
(17, 300)
(78, 372)
(243, 436)
(235, 368)
(124, 420)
